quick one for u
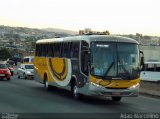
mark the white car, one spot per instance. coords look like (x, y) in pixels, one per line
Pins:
(26, 71)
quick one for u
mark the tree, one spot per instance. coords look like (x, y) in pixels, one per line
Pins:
(147, 37)
(33, 45)
(106, 32)
(4, 54)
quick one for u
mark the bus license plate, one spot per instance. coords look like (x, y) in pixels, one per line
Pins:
(116, 93)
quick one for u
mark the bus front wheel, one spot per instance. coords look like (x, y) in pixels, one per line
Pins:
(117, 99)
(74, 90)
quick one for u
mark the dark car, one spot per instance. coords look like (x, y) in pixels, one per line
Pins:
(11, 62)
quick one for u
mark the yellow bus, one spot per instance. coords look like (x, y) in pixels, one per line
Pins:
(93, 65)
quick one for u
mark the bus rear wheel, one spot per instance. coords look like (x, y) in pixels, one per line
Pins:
(116, 99)
(46, 84)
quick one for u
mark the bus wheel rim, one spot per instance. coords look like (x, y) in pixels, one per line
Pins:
(75, 91)
(46, 84)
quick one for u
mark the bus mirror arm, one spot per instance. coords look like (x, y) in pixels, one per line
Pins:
(142, 60)
(91, 67)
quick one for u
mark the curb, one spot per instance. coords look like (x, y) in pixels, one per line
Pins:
(143, 93)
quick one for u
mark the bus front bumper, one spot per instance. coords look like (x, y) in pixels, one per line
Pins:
(97, 90)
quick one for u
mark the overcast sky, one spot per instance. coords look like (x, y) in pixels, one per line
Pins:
(117, 16)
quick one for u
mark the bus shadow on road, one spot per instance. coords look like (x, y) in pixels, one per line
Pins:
(65, 94)
(102, 101)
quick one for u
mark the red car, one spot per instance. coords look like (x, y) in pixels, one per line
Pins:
(4, 71)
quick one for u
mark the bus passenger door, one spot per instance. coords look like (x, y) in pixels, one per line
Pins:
(85, 58)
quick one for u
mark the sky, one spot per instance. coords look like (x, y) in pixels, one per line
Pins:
(117, 16)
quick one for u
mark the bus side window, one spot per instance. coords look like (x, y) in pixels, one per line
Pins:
(43, 48)
(37, 47)
(49, 50)
(57, 50)
(53, 50)
(65, 49)
(46, 50)
(69, 50)
(75, 50)
(40, 50)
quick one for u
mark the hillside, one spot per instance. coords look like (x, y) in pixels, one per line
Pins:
(61, 31)
(24, 33)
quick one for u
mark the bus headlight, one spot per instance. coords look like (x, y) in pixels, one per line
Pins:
(135, 86)
(97, 85)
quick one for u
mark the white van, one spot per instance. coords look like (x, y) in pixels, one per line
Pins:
(28, 60)
(151, 71)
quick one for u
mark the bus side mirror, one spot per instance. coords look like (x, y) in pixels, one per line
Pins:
(89, 57)
(142, 60)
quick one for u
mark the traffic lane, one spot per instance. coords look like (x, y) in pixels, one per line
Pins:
(28, 96)
(145, 103)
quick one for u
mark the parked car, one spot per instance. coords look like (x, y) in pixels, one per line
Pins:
(4, 71)
(26, 71)
(10, 68)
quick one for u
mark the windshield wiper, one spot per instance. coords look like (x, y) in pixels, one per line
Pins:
(125, 70)
(109, 68)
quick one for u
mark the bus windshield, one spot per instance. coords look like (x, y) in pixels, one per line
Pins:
(115, 60)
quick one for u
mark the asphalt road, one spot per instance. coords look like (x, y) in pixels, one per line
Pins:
(20, 96)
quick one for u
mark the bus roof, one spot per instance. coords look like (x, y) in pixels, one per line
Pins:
(89, 38)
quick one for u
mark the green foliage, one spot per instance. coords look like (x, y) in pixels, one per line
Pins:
(106, 32)
(103, 33)
(33, 45)
(4, 54)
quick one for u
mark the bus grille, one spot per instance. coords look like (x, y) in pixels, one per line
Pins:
(117, 88)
